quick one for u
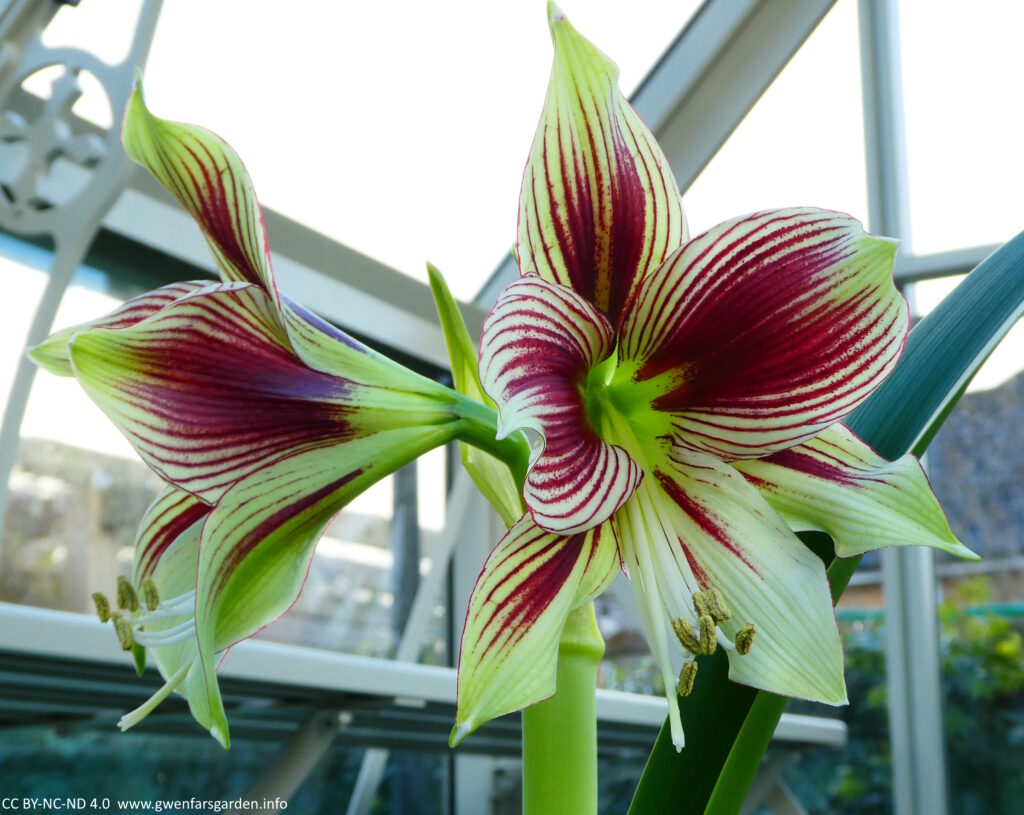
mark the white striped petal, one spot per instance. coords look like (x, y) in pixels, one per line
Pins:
(599, 207)
(52, 353)
(529, 585)
(539, 344)
(258, 541)
(695, 523)
(211, 183)
(210, 389)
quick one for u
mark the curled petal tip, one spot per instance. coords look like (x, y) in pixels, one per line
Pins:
(221, 735)
(555, 13)
(459, 733)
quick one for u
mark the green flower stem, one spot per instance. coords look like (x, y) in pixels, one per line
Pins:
(478, 426)
(560, 734)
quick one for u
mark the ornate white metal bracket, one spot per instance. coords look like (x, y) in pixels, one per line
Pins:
(55, 182)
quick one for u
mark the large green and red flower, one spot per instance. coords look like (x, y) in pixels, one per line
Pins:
(684, 397)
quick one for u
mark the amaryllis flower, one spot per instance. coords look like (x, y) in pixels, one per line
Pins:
(685, 399)
(263, 420)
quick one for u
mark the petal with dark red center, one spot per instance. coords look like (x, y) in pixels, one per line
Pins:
(529, 585)
(209, 390)
(696, 523)
(539, 344)
(202, 171)
(837, 484)
(599, 207)
(170, 515)
(52, 353)
(760, 333)
(258, 542)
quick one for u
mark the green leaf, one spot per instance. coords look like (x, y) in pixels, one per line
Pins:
(942, 355)
(492, 477)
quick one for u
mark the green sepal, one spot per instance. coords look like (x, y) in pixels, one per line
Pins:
(139, 657)
(492, 477)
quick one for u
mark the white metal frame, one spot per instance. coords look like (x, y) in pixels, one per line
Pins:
(908, 573)
(48, 633)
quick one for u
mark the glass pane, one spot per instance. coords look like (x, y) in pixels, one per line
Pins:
(976, 464)
(965, 167)
(802, 144)
(408, 135)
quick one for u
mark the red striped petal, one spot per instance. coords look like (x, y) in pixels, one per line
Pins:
(529, 585)
(209, 389)
(258, 542)
(171, 514)
(539, 344)
(52, 353)
(837, 484)
(696, 523)
(599, 207)
(202, 171)
(758, 334)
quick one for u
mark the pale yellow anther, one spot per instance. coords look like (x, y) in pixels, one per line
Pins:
(150, 595)
(711, 603)
(708, 640)
(686, 635)
(687, 676)
(745, 638)
(716, 605)
(102, 606)
(123, 631)
(126, 597)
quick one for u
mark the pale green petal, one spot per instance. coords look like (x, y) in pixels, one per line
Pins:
(599, 208)
(837, 484)
(529, 585)
(258, 542)
(53, 353)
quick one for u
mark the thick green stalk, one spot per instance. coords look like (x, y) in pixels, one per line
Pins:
(560, 734)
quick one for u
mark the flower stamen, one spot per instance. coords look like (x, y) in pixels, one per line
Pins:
(687, 676)
(745, 638)
(712, 603)
(686, 636)
(127, 599)
(123, 631)
(150, 594)
(169, 636)
(102, 604)
(708, 640)
(143, 710)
